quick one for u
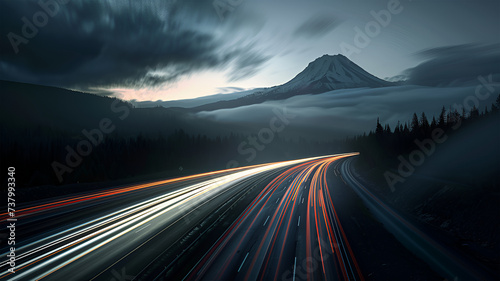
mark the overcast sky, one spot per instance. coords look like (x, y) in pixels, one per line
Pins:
(182, 49)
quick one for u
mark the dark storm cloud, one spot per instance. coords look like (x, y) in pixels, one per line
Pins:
(456, 64)
(247, 64)
(317, 26)
(105, 44)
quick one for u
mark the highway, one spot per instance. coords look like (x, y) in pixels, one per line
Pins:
(125, 232)
(307, 219)
(290, 232)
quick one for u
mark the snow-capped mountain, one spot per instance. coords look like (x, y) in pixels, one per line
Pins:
(324, 74)
(328, 73)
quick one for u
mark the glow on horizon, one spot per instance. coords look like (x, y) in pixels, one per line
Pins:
(189, 87)
(211, 82)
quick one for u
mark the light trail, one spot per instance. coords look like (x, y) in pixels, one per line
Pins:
(270, 257)
(45, 256)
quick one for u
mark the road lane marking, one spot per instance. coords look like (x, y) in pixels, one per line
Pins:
(302, 200)
(243, 261)
(265, 221)
(183, 200)
(298, 224)
(294, 267)
(142, 227)
(277, 200)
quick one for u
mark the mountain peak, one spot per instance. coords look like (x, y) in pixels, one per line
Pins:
(330, 59)
(331, 72)
(330, 62)
(337, 56)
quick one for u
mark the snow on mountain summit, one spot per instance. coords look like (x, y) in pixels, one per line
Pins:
(329, 73)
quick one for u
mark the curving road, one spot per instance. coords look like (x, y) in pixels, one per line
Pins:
(291, 231)
(441, 257)
(278, 221)
(123, 233)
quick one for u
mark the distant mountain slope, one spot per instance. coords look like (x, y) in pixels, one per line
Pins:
(324, 74)
(189, 103)
(27, 105)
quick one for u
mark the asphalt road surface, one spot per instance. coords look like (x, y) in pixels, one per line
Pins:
(84, 237)
(307, 219)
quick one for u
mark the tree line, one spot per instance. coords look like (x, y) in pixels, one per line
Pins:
(383, 144)
(34, 150)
